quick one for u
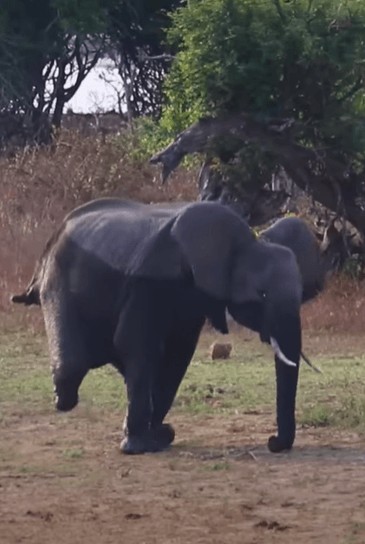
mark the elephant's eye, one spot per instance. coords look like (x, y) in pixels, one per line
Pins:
(262, 294)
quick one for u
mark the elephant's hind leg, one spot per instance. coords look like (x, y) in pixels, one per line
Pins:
(67, 347)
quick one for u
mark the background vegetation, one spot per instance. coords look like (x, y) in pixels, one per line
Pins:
(291, 73)
(299, 62)
(286, 82)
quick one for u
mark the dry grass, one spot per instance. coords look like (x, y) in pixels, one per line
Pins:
(38, 186)
(339, 309)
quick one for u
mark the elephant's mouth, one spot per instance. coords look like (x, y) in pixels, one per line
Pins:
(254, 316)
(278, 352)
(280, 355)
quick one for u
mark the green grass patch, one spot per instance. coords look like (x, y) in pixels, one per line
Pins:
(355, 534)
(242, 384)
(227, 385)
(335, 398)
(74, 453)
(26, 382)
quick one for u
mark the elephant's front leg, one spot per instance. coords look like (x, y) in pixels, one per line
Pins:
(141, 435)
(140, 345)
(138, 435)
(179, 350)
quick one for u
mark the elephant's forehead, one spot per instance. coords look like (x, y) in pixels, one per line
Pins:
(112, 237)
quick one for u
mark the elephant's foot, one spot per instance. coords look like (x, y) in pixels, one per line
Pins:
(66, 392)
(277, 445)
(152, 441)
(66, 403)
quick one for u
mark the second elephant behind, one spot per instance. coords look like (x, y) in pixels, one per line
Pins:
(295, 234)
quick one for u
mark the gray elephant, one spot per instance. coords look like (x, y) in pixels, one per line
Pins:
(295, 233)
(132, 285)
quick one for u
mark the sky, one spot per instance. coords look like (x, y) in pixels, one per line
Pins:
(94, 94)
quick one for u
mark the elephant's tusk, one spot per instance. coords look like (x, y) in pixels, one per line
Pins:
(307, 361)
(279, 353)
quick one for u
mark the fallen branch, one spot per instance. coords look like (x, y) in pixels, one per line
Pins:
(205, 132)
(312, 171)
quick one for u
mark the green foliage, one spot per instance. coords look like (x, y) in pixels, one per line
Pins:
(46, 52)
(83, 16)
(33, 34)
(298, 58)
(149, 137)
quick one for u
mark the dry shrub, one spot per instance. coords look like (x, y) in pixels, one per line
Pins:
(339, 309)
(39, 186)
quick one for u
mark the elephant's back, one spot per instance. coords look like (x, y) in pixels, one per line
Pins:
(114, 233)
(89, 256)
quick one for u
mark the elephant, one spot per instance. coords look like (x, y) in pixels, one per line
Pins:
(132, 285)
(295, 234)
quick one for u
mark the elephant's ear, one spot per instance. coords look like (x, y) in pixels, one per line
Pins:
(158, 256)
(208, 235)
(202, 241)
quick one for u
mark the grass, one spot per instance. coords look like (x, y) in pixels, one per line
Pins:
(214, 467)
(243, 384)
(356, 534)
(73, 453)
(337, 397)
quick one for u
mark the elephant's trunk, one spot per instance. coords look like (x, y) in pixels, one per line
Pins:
(277, 320)
(286, 336)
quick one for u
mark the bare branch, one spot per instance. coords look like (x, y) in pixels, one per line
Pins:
(202, 134)
(143, 57)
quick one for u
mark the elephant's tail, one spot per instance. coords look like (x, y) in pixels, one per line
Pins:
(30, 295)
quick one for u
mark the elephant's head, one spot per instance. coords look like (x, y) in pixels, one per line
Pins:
(259, 283)
(269, 303)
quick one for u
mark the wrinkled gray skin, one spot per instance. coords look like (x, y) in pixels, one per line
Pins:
(132, 284)
(294, 233)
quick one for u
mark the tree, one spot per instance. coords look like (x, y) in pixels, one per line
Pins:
(47, 49)
(136, 34)
(281, 85)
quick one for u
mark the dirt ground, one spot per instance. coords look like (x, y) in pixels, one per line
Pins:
(63, 480)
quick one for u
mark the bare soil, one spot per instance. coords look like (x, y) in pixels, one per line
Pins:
(63, 480)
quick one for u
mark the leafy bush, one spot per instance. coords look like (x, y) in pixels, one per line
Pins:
(298, 58)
